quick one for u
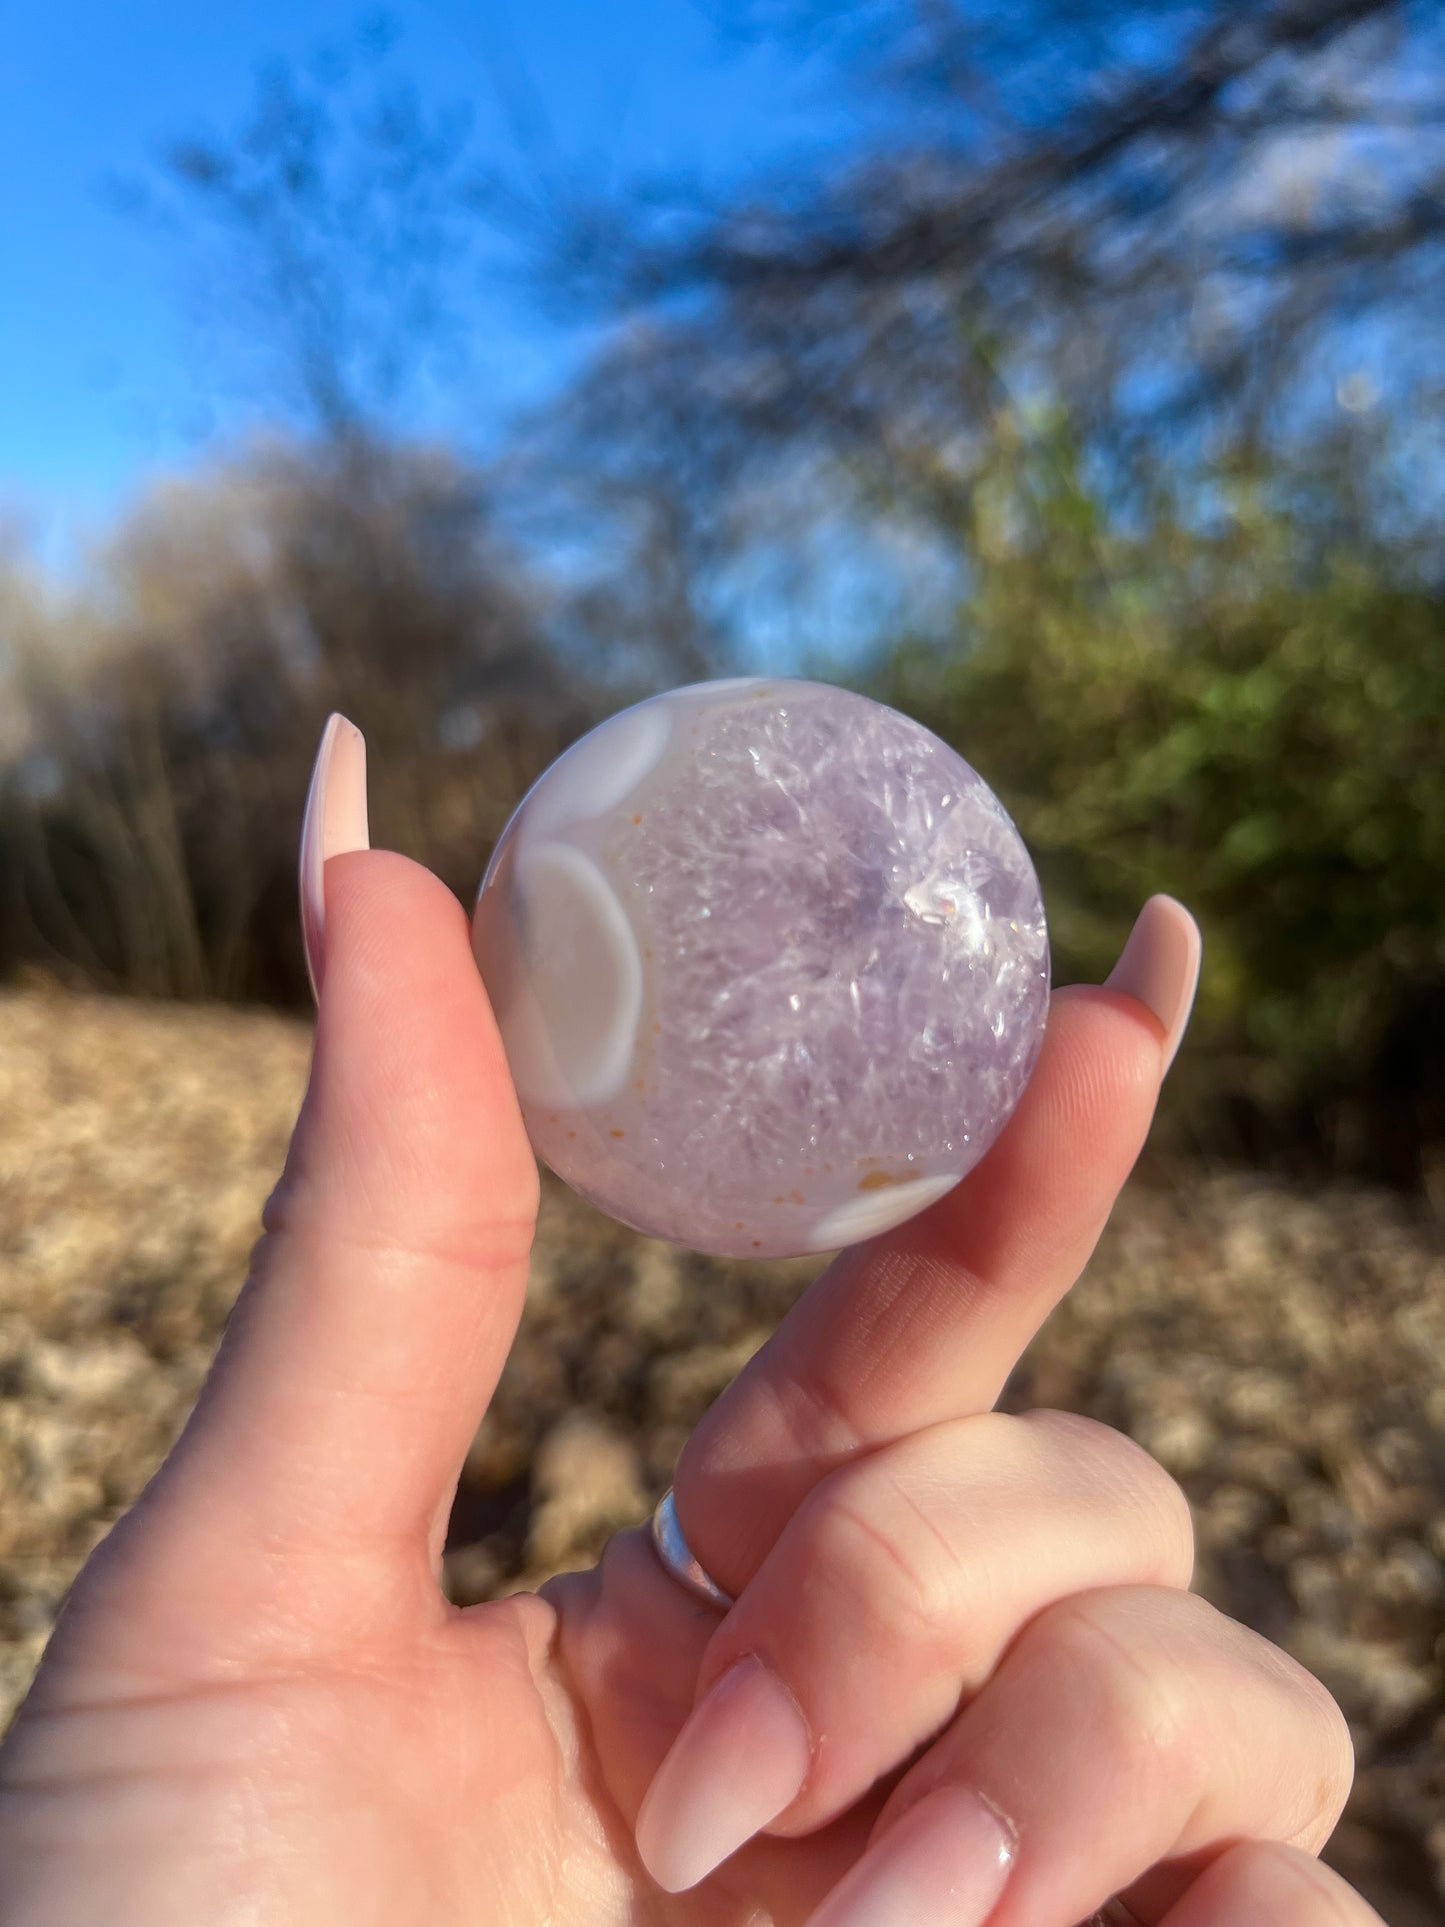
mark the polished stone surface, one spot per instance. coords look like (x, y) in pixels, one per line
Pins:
(770, 964)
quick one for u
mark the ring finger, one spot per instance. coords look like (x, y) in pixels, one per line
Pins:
(1128, 1740)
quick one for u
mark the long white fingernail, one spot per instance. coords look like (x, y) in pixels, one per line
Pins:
(1160, 966)
(947, 1859)
(739, 1762)
(334, 824)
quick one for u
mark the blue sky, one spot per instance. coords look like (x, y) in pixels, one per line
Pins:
(100, 390)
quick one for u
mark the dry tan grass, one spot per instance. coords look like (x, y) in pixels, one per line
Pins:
(1278, 1350)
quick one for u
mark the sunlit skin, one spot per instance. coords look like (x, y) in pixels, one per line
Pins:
(258, 1706)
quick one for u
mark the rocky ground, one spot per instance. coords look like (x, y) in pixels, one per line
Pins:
(1279, 1350)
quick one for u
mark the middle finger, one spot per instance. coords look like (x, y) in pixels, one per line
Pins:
(926, 1323)
(890, 1597)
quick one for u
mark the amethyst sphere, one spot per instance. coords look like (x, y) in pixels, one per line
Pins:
(770, 966)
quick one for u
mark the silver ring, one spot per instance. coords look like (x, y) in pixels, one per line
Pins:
(676, 1554)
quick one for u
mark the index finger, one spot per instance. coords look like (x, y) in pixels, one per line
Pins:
(925, 1323)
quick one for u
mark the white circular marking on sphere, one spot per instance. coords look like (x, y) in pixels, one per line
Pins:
(571, 1024)
(596, 773)
(866, 1216)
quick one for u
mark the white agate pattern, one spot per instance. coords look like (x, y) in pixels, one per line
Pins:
(770, 965)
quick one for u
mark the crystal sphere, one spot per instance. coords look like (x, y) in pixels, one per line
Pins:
(770, 966)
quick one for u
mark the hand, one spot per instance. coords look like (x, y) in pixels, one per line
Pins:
(963, 1679)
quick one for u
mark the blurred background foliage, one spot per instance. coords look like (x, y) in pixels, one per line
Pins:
(1249, 719)
(1096, 380)
(162, 727)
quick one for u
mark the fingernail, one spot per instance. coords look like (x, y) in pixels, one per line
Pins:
(1160, 966)
(739, 1762)
(946, 1862)
(334, 823)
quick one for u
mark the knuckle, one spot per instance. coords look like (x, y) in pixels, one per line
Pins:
(1326, 1744)
(1324, 1734)
(1163, 1509)
(1171, 1684)
(1161, 1521)
(1313, 1733)
(878, 1541)
(1140, 1717)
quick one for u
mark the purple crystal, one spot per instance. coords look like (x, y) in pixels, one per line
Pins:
(770, 964)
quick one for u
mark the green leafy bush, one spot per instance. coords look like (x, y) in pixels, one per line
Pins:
(1241, 717)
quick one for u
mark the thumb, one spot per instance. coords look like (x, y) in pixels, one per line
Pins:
(385, 1294)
